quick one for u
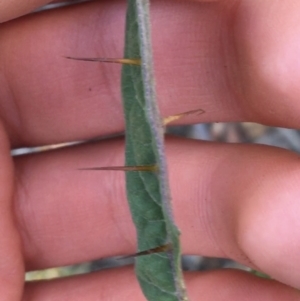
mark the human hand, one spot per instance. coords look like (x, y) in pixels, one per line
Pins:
(237, 60)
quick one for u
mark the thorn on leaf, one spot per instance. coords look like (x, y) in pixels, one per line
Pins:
(172, 118)
(108, 60)
(160, 249)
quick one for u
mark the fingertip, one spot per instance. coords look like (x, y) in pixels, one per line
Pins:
(269, 228)
(266, 35)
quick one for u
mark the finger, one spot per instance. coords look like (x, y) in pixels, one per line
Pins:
(228, 60)
(10, 9)
(232, 285)
(11, 259)
(233, 201)
(268, 60)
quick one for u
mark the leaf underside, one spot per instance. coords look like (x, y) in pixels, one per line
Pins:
(159, 274)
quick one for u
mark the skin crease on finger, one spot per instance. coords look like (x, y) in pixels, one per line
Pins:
(223, 69)
(220, 214)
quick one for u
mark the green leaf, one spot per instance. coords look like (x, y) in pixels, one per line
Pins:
(159, 274)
